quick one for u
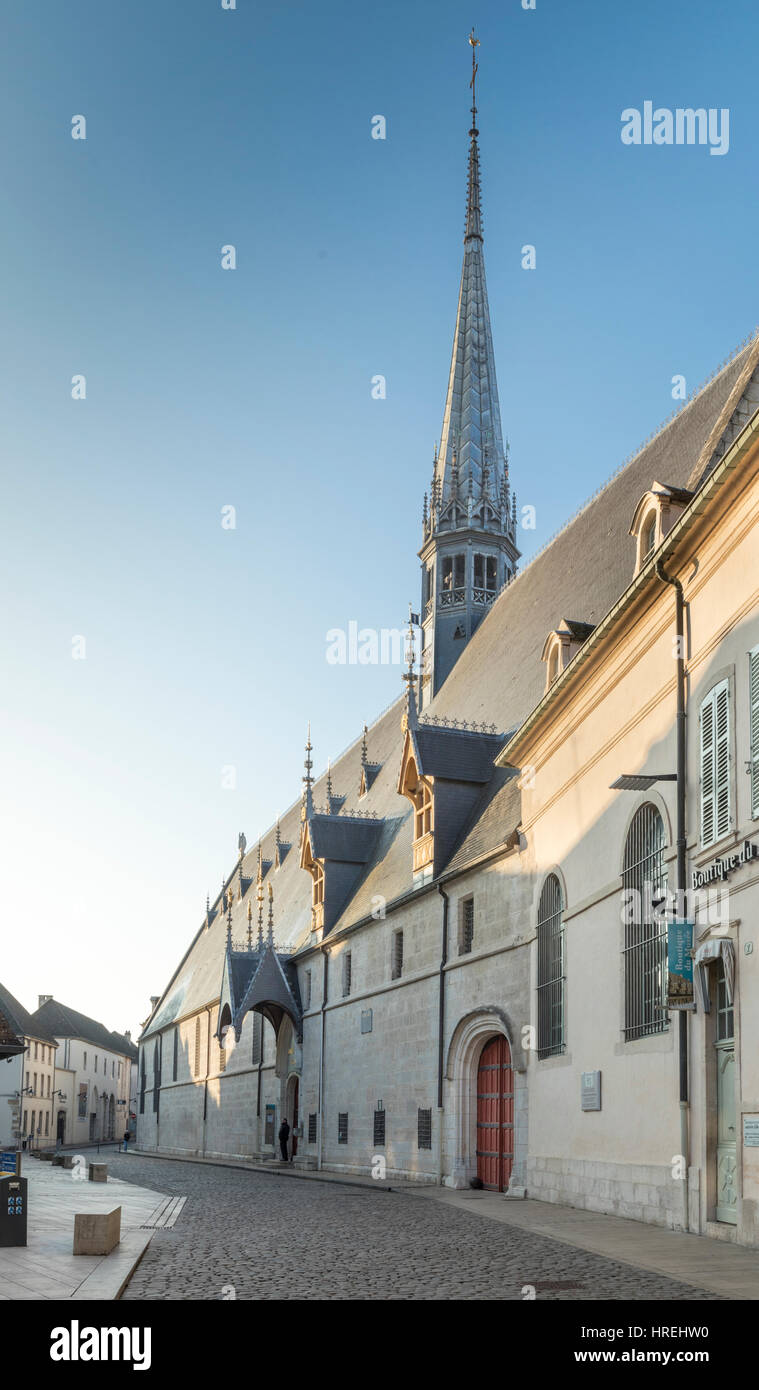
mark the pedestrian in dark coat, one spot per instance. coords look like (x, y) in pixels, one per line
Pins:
(284, 1135)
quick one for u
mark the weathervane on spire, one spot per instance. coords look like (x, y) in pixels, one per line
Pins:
(475, 45)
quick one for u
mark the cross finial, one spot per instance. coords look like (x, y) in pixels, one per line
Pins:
(475, 45)
(250, 926)
(270, 932)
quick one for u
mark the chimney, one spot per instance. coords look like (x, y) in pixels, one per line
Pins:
(43, 999)
(128, 1035)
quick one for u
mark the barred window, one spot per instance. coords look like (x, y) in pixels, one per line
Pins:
(347, 973)
(256, 1054)
(379, 1128)
(175, 1061)
(342, 1127)
(197, 1046)
(424, 1129)
(307, 1000)
(156, 1074)
(466, 927)
(551, 1039)
(397, 956)
(644, 879)
(312, 1129)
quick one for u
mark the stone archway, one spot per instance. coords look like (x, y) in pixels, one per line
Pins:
(470, 1036)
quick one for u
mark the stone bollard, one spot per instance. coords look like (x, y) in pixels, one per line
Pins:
(98, 1172)
(97, 1233)
(67, 1160)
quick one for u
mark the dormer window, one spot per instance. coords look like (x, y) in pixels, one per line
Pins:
(315, 868)
(422, 811)
(418, 790)
(561, 646)
(655, 515)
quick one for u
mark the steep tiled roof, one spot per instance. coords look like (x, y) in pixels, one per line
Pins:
(63, 1022)
(20, 1022)
(498, 680)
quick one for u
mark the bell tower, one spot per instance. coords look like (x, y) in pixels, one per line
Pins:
(469, 549)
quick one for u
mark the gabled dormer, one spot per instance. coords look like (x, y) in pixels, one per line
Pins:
(335, 851)
(655, 515)
(561, 645)
(443, 770)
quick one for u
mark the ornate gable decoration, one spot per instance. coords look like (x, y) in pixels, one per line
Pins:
(561, 646)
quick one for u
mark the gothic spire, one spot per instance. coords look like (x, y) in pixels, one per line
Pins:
(308, 781)
(472, 414)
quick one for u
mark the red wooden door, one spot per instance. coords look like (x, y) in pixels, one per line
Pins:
(495, 1115)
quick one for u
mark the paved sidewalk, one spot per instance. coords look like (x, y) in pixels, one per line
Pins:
(720, 1267)
(46, 1268)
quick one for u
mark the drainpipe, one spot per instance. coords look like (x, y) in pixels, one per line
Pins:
(681, 864)
(205, 1083)
(441, 1033)
(322, 1036)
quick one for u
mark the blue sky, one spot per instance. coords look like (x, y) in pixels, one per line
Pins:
(250, 388)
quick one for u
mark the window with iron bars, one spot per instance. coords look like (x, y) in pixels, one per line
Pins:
(397, 956)
(175, 1058)
(307, 1000)
(466, 927)
(379, 1128)
(256, 1050)
(424, 1129)
(644, 880)
(342, 1127)
(550, 969)
(197, 1046)
(312, 1129)
(347, 973)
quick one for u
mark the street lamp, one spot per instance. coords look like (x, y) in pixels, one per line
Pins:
(640, 781)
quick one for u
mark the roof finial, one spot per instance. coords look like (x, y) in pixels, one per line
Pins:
(473, 212)
(250, 926)
(409, 720)
(364, 749)
(229, 921)
(308, 802)
(329, 788)
(260, 896)
(270, 932)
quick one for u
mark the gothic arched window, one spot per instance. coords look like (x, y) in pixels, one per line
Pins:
(551, 969)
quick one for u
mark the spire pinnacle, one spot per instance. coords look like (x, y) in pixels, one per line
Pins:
(409, 720)
(270, 930)
(308, 781)
(260, 896)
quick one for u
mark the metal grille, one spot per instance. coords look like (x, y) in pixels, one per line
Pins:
(379, 1128)
(197, 1046)
(256, 1052)
(754, 729)
(550, 969)
(156, 1075)
(725, 1024)
(342, 1127)
(307, 1003)
(347, 973)
(175, 1060)
(397, 961)
(645, 953)
(424, 1129)
(312, 1129)
(467, 927)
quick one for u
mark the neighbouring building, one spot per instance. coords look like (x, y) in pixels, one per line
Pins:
(27, 1100)
(424, 965)
(93, 1077)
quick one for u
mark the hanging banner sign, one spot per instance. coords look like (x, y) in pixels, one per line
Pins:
(680, 966)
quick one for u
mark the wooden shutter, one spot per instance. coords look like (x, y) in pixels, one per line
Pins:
(753, 682)
(715, 764)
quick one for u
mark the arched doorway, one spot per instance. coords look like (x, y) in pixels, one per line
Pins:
(293, 1089)
(495, 1114)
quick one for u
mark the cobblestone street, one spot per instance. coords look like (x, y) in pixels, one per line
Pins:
(251, 1235)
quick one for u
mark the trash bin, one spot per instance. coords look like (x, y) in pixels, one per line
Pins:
(12, 1210)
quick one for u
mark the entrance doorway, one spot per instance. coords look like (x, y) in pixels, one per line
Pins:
(60, 1128)
(495, 1114)
(292, 1112)
(724, 1052)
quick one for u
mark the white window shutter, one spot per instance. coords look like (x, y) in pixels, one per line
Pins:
(722, 760)
(707, 770)
(716, 817)
(754, 728)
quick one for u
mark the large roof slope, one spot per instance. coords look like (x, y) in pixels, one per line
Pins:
(63, 1022)
(498, 679)
(22, 1023)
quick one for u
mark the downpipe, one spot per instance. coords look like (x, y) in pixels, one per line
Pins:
(681, 869)
(441, 1034)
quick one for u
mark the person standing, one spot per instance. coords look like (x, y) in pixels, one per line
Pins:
(126, 1140)
(284, 1135)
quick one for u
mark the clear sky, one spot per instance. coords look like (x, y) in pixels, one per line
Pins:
(251, 388)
